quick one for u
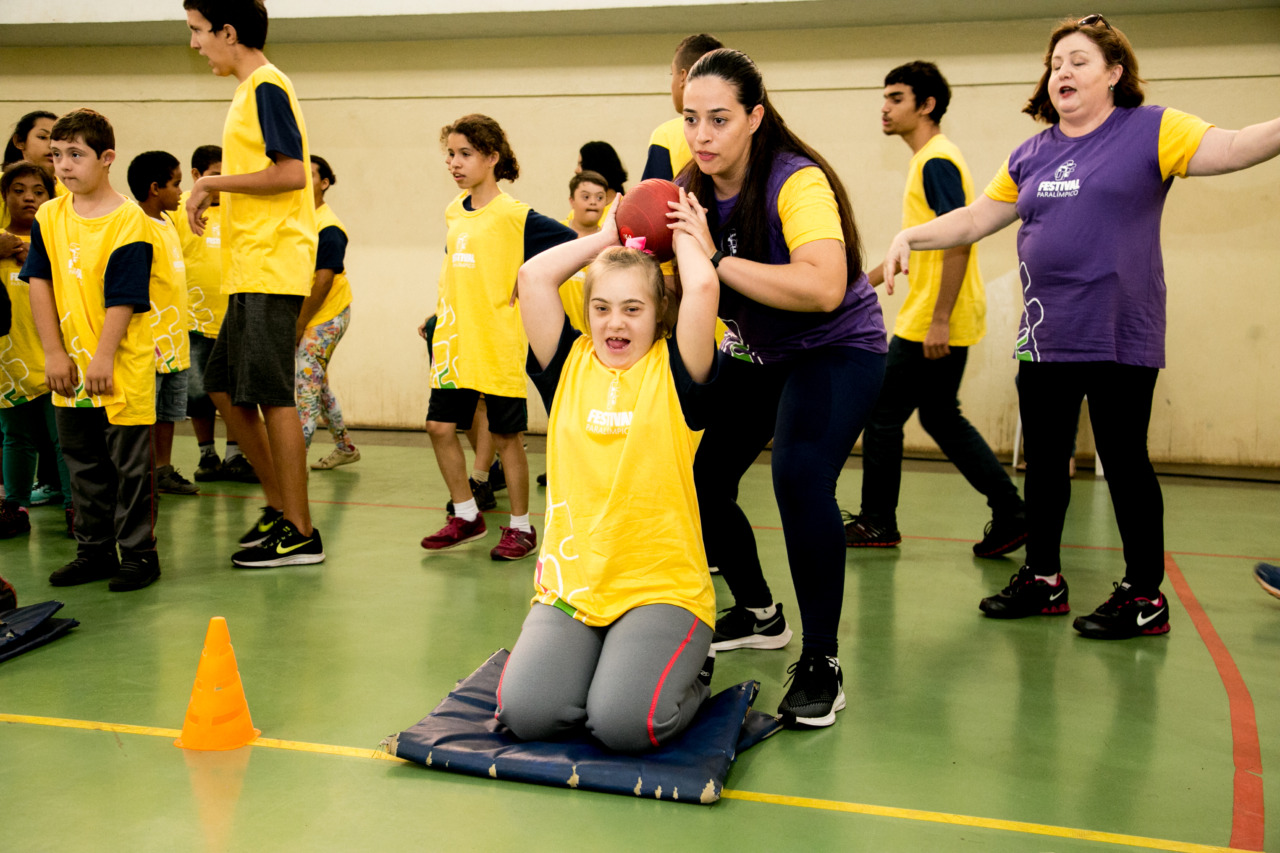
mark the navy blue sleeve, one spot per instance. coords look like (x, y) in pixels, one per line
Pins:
(37, 264)
(658, 165)
(695, 397)
(545, 379)
(276, 119)
(331, 254)
(943, 188)
(127, 280)
(543, 232)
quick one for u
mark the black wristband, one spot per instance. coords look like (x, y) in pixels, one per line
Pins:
(715, 259)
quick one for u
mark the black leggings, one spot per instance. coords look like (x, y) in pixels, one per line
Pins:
(813, 407)
(1049, 396)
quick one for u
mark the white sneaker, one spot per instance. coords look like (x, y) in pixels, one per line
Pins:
(336, 458)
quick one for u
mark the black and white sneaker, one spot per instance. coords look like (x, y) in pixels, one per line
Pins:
(261, 530)
(1126, 614)
(285, 547)
(817, 692)
(739, 628)
(1027, 595)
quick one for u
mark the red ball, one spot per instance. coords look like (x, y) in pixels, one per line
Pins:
(642, 212)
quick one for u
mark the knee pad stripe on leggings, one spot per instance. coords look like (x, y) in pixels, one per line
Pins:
(657, 691)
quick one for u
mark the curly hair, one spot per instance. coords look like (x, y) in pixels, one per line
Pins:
(487, 137)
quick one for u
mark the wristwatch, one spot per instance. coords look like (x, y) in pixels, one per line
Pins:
(715, 259)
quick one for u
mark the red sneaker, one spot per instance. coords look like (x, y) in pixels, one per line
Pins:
(515, 544)
(456, 532)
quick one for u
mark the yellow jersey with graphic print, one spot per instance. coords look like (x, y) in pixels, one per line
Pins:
(21, 356)
(268, 241)
(202, 254)
(340, 294)
(622, 524)
(170, 319)
(94, 263)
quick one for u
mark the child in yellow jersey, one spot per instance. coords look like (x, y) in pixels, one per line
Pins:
(478, 345)
(623, 609)
(29, 141)
(26, 408)
(155, 178)
(89, 270)
(668, 150)
(322, 322)
(587, 207)
(268, 261)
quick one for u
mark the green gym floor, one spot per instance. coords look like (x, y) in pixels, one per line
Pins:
(962, 733)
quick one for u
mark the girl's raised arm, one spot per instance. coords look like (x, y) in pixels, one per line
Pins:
(696, 325)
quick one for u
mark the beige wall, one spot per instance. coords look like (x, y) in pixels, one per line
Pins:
(374, 110)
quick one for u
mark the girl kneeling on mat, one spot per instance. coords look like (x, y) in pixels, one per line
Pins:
(623, 609)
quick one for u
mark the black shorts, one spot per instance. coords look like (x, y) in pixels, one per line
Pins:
(507, 415)
(253, 359)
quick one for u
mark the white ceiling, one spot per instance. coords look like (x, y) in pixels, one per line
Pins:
(144, 22)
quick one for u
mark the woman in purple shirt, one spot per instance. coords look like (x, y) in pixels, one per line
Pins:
(1089, 192)
(807, 342)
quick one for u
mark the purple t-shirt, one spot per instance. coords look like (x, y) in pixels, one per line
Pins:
(1089, 245)
(761, 334)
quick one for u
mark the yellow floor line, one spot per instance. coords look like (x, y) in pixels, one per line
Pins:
(727, 793)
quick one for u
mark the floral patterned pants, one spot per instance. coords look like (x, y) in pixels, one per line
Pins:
(311, 380)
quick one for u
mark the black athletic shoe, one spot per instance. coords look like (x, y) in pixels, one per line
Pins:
(542, 479)
(88, 566)
(1027, 596)
(817, 692)
(497, 477)
(239, 470)
(169, 481)
(262, 528)
(863, 532)
(1001, 536)
(1126, 614)
(285, 547)
(208, 469)
(738, 628)
(137, 569)
(482, 492)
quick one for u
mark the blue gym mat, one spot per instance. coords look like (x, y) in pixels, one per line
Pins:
(462, 735)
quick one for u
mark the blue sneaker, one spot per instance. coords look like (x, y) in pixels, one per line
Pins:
(1268, 577)
(44, 494)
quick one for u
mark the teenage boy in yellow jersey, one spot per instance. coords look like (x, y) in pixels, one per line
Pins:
(944, 314)
(89, 271)
(268, 259)
(668, 150)
(207, 305)
(155, 179)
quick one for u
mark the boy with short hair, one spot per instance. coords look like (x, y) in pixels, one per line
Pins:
(207, 305)
(268, 260)
(668, 150)
(587, 203)
(155, 179)
(90, 265)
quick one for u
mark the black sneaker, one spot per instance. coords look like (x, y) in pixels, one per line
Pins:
(1126, 614)
(861, 531)
(738, 628)
(1001, 536)
(482, 492)
(137, 569)
(261, 530)
(497, 477)
(817, 692)
(239, 470)
(88, 566)
(169, 481)
(285, 547)
(14, 520)
(1027, 596)
(542, 479)
(208, 469)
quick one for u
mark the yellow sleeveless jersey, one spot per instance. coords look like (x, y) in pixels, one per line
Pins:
(170, 319)
(21, 356)
(203, 256)
(340, 293)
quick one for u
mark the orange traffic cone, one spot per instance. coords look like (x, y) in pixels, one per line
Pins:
(218, 714)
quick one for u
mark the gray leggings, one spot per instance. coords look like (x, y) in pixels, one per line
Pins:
(633, 683)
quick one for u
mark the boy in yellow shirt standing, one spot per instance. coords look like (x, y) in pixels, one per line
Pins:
(268, 260)
(89, 270)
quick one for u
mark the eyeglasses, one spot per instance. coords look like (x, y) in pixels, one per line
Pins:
(1093, 20)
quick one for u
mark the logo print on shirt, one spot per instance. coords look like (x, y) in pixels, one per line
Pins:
(608, 423)
(461, 257)
(73, 262)
(1060, 187)
(1033, 315)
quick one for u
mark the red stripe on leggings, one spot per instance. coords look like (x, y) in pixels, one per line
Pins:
(1247, 811)
(657, 691)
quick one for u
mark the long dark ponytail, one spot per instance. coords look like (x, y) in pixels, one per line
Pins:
(772, 137)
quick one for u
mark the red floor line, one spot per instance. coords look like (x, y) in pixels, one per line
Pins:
(1247, 812)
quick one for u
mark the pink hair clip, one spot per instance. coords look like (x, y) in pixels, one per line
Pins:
(636, 243)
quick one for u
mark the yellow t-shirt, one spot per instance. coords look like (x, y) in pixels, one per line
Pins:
(268, 241)
(170, 319)
(203, 256)
(670, 135)
(571, 294)
(340, 293)
(622, 524)
(58, 192)
(21, 356)
(78, 251)
(969, 317)
(479, 341)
